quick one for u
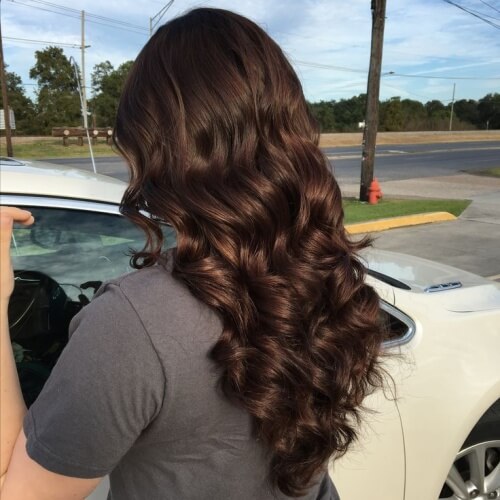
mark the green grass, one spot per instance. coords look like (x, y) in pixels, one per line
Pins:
(489, 172)
(356, 211)
(55, 149)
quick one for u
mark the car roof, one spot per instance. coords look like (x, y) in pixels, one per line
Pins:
(37, 178)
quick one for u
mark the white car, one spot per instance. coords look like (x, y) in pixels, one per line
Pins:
(434, 434)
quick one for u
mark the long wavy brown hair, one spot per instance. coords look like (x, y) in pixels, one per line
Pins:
(221, 144)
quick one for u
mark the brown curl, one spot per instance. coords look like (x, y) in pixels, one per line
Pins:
(221, 144)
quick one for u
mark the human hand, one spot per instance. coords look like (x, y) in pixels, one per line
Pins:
(8, 216)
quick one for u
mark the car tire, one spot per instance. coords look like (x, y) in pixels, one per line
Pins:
(475, 473)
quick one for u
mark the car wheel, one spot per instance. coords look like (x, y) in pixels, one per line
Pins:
(475, 473)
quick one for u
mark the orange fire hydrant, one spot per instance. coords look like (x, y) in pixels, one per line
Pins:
(374, 192)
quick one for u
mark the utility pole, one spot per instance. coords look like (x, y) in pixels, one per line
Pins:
(5, 100)
(452, 104)
(84, 88)
(373, 91)
(153, 21)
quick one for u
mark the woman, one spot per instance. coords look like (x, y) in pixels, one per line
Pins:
(234, 366)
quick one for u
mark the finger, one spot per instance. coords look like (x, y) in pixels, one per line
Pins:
(18, 215)
(6, 223)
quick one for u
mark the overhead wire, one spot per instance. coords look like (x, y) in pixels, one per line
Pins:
(489, 5)
(461, 7)
(76, 15)
(44, 42)
(90, 14)
(328, 66)
(484, 14)
(392, 73)
(389, 73)
(44, 9)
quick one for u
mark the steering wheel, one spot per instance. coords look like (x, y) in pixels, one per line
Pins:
(37, 306)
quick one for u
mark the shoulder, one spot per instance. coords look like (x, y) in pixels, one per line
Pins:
(147, 280)
(152, 289)
(163, 304)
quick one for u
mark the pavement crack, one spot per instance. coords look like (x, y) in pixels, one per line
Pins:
(494, 223)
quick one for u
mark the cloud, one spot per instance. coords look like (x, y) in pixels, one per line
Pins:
(425, 37)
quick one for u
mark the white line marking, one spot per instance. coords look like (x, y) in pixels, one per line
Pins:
(495, 277)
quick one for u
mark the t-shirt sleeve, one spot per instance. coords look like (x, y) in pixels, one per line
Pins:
(106, 388)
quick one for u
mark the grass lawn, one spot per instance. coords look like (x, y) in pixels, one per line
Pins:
(355, 211)
(489, 172)
(42, 149)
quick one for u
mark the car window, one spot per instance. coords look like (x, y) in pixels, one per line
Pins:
(75, 247)
(59, 263)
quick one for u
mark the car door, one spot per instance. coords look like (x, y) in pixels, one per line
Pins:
(59, 263)
(375, 466)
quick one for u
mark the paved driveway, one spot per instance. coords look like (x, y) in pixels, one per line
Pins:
(472, 242)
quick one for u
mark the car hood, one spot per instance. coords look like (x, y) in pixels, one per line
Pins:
(435, 281)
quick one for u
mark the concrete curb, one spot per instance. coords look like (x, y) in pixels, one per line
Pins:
(395, 222)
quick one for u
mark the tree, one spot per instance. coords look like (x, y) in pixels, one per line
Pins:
(324, 113)
(101, 71)
(58, 102)
(489, 111)
(21, 104)
(466, 111)
(414, 115)
(398, 114)
(391, 115)
(349, 112)
(437, 115)
(107, 85)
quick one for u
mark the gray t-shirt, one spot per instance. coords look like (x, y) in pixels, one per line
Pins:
(135, 395)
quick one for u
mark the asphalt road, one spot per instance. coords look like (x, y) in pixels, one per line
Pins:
(405, 161)
(393, 162)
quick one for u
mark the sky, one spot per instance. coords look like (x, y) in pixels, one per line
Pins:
(327, 41)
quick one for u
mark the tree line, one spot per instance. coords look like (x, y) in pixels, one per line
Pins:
(401, 115)
(56, 103)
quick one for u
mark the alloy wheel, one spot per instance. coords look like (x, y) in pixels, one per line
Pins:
(475, 474)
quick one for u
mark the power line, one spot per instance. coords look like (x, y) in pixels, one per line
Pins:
(25, 84)
(69, 13)
(489, 5)
(118, 27)
(89, 14)
(43, 42)
(392, 73)
(50, 4)
(328, 66)
(484, 14)
(41, 8)
(473, 14)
